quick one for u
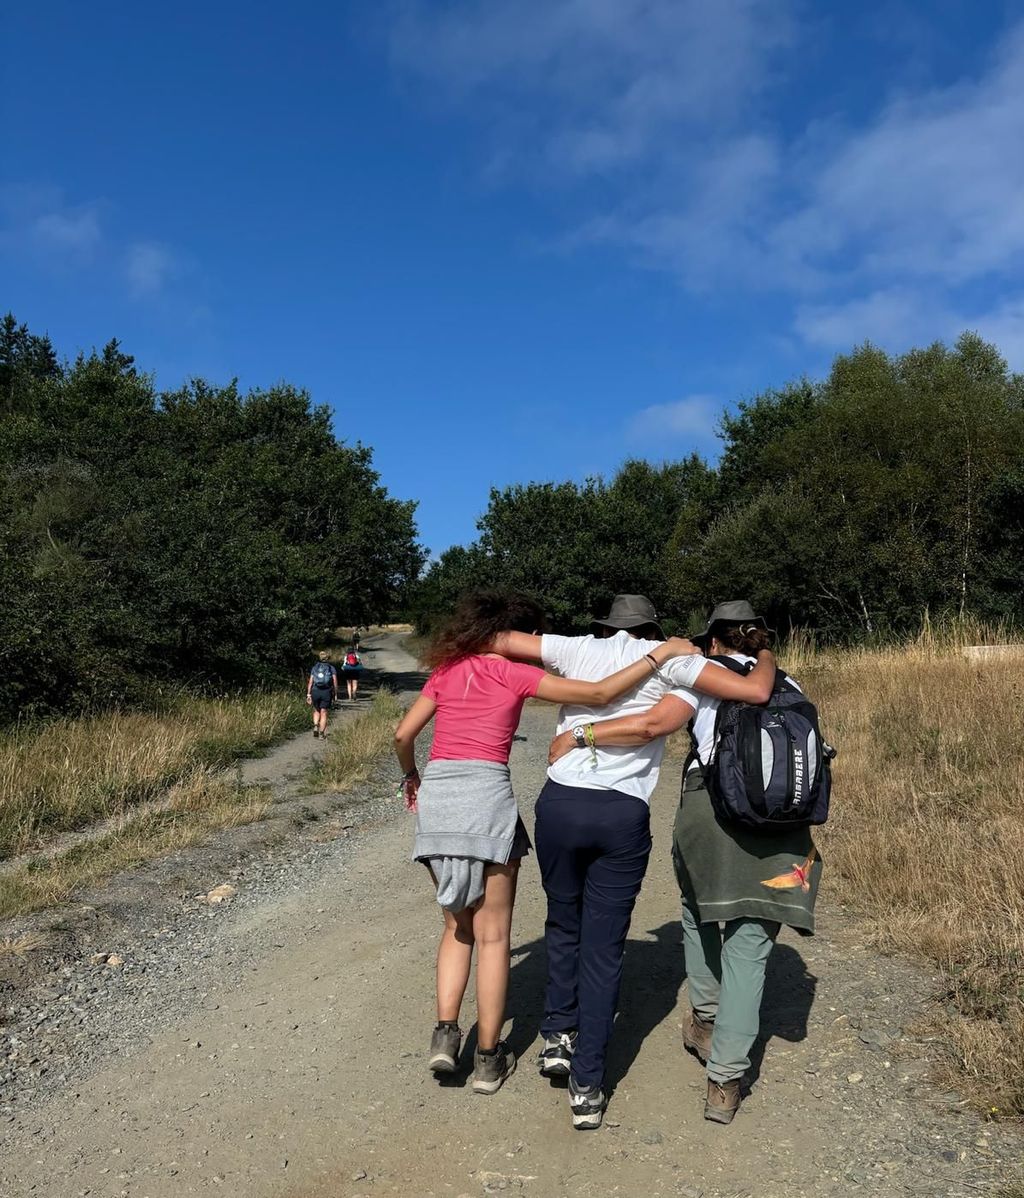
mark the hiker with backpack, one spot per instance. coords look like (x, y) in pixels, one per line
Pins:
(468, 830)
(321, 692)
(352, 668)
(757, 779)
(593, 830)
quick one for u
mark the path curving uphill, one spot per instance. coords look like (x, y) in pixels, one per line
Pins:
(273, 1045)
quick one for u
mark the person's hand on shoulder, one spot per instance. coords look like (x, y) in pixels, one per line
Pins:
(678, 646)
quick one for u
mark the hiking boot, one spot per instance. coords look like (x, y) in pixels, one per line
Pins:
(316, 733)
(444, 1048)
(492, 1069)
(697, 1036)
(723, 1101)
(587, 1105)
(555, 1059)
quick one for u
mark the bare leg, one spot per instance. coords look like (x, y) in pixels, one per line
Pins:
(454, 960)
(492, 930)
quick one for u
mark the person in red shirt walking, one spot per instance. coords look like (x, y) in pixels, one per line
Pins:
(468, 830)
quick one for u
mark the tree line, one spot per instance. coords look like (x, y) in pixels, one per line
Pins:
(200, 535)
(848, 506)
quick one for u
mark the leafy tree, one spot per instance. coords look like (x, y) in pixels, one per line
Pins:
(203, 535)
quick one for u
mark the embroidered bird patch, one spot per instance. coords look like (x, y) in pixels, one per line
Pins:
(799, 875)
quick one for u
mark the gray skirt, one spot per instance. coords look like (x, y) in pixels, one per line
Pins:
(466, 819)
(467, 809)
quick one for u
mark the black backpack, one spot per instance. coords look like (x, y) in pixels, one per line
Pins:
(772, 767)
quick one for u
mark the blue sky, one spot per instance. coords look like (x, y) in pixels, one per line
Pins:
(512, 240)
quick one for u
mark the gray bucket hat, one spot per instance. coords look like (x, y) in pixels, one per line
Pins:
(733, 611)
(628, 612)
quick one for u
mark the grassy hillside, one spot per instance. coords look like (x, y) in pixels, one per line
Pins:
(927, 836)
(66, 774)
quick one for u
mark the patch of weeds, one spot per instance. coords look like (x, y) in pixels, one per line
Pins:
(196, 806)
(356, 745)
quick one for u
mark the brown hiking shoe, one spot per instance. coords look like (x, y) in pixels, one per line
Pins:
(723, 1101)
(697, 1036)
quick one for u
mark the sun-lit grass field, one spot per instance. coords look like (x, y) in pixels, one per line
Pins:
(927, 833)
(66, 774)
(356, 745)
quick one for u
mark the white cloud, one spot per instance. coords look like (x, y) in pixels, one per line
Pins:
(899, 317)
(606, 82)
(895, 316)
(75, 231)
(40, 222)
(931, 188)
(663, 107)
(1003, 325)
(148, 267)
(692, 419)
(40, 225)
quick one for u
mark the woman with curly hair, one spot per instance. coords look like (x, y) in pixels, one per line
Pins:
(468, 830)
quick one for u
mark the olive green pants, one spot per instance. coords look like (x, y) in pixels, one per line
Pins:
(725, 966)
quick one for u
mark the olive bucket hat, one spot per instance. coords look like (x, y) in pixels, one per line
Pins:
(733, 611)
(629, 612)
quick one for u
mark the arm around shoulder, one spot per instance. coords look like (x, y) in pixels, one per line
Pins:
(520, 646)
(755, 687)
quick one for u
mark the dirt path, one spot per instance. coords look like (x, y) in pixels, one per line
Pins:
(289, 1062)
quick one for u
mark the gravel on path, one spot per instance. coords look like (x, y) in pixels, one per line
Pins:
(272, 1044)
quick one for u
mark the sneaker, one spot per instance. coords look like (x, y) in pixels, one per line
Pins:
(697, 1036)
(444, 1048)
(723, 1101)
(316, 733)
(491, 1070)
(555, 1059)
(587, 1105)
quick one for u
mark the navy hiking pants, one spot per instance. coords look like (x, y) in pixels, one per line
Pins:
(592, 848)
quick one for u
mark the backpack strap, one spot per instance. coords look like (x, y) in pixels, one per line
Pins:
(737, 667)
(730, 663)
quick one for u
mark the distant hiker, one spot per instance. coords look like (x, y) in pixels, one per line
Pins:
(593, 830)
(352, 669)
(738, 883)
(468, 830)
(356, 638)
(321, 691)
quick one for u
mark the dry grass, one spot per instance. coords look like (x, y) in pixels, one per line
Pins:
(357, 744)
(69, 773)
(417, 646)
(20, 946)
(196, 805)
(927, 833)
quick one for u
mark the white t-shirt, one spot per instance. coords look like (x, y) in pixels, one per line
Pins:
(632, 769)
(707, 711)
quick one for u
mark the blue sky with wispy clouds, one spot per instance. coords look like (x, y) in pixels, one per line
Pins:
(509, 240)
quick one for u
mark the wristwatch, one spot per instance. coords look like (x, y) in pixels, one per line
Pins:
(579, 735)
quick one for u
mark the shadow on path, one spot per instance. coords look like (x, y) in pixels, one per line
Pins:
(789, 991)
(652, 976)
